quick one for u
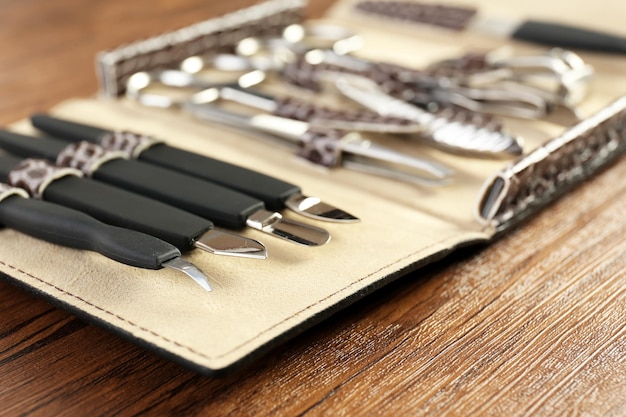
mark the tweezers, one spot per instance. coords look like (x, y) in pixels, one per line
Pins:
(332, 148)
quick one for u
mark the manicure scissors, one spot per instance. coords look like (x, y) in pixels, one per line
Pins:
(517, 86)
(559, 77)
(272, 53)
(488, 90)
(396, 116)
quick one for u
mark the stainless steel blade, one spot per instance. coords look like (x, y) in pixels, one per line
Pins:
(229, 244)
(276, 225)
(315, 208)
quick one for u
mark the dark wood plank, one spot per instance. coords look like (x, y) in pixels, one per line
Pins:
(531, 325)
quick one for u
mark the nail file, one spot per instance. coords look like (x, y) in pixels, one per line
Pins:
(290, 107)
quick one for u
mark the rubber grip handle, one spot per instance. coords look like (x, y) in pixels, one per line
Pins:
(124, 209)
(223, 206)
(67, 130)
(71, 228)
(554, 34)
(30, 146)
(272, 191)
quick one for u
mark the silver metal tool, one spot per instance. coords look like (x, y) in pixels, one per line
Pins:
(545, 86)
(449, 134)
(533, 86)
(332, 148)
(74, 229)
(558, 77)
(275, 193)
(361, 120)
(257, 55)
(189, 269)
(321, 146)
(426, 89)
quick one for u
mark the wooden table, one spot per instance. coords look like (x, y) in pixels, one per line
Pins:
(534, 324)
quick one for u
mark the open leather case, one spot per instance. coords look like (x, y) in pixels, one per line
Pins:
(256, 305)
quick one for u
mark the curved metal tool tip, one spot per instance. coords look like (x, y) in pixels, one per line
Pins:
(315, 208)
(190, 270)
(230, 244)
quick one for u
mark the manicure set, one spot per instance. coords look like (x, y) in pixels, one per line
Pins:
(321, 168)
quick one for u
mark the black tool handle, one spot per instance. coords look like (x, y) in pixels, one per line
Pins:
(30, 146)
(65, 129)
(554, 34)
(272, 191)
(223, 206)
(67, 227)
(121, 208)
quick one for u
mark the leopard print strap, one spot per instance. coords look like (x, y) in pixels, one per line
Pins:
(294, 108)
(133, 144)
(7, 190)
(323, 146)
(34, 175)
(450, 17)
(87, 157)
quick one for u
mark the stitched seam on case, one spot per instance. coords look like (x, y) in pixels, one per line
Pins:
(190, 349)
(117, 316)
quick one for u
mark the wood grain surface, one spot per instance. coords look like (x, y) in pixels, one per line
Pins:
(534, 324)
